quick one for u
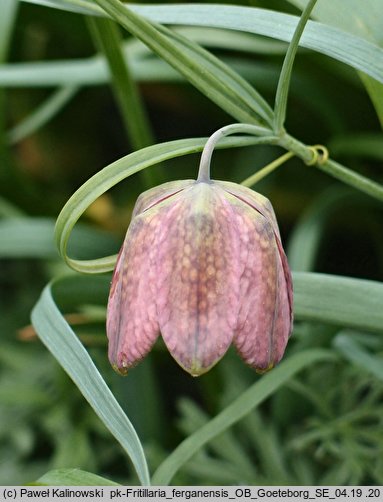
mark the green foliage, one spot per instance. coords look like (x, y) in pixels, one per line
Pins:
(316, 418)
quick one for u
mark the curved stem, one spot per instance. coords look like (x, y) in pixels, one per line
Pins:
(265, 171)
(204, 166)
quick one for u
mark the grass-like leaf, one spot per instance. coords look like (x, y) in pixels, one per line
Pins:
(107, 38)
(145, 67)
(207, 73)
(42, 114)
(27, 237)
(238, 409)
(347, 48)
(113, 174)
(352, 350)
(329, 299)
(62, 342)
(335, 43)
(7, 19)
(72, 477)
(361, 19)
(287, 68)
(344, 301)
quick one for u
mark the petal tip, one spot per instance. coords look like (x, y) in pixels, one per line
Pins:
(122, 371)
(262, 371)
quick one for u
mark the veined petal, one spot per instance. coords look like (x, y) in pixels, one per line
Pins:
(284, 313)
(254, 199)
(264, 317)
(158, 194)
(197, 277)
(132, 325)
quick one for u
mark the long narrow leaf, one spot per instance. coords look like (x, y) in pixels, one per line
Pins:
(342, 46)
(238, 409)
(42, 114)
(113, 174)
(287, 68)
(107, 37)
(207, 73)
(7, 19)
(355, 353)
(26, 237)
(59, 338)
(72, 477)
(338, 300)
(343, 301)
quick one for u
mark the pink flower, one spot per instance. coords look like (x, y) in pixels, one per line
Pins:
(202, 264)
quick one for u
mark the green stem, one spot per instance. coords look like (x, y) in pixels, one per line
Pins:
(265, 171)
(333, 168)
(353, 179)
(285, 76)
(204, 167)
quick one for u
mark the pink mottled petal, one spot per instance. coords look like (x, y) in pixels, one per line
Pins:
(264, 321)
(197, 277)
(283, 313)
(158, 194)
(253, 199)
(287, 277)
(132, 325)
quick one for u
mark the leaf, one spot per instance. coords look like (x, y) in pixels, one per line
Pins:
(113, 174)
(8, 209)
(59, 338)
(343, 301)
(7, 19)
(27, 237)
(352, 350)
(287, 68)
(42, 114)
(144, 64)
(238, 409)
(207, 73)
(329, 299)
(361, 19)
(342, 46)
(72, 477)
(107, 37)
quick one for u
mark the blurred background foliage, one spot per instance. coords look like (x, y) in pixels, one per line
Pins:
(323, 427)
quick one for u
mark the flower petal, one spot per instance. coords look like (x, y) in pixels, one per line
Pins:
(284, 310)
(254, 199)
(197, 295)
(264, 317)
(158, 194)
(132, 325)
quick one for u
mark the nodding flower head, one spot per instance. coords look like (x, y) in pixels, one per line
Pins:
(202, 264)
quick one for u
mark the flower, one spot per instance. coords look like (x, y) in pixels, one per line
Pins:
(202, 264)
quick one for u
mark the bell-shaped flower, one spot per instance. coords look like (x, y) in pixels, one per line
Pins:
(202, 264)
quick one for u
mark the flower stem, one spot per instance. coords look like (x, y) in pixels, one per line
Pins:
(265, 171)
(204, 167)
